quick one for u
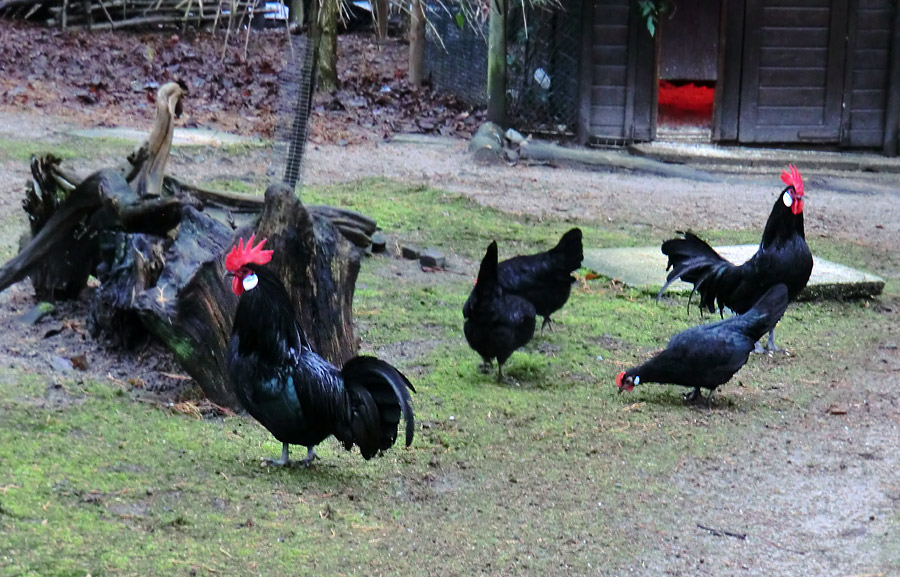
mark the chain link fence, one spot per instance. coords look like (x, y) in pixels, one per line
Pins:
(543, 45)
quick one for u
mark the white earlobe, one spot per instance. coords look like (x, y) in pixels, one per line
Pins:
(787, 199)
(249, 282)
(637, 380)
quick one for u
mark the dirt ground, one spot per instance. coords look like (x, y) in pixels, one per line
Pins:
(833, 505)
(823, 490)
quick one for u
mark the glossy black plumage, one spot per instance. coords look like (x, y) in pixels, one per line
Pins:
(782, 257)
(544, 279)
(496, 323)
(707, 356)
(301, 398)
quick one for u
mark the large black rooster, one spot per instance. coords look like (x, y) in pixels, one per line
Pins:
(707, 356)
(544, 279)
(782, 257)
(297, 395)
(496, 323)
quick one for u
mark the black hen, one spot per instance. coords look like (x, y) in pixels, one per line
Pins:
(707, 356)
(496, 323)
(782, 257)
(544, 279)
(301, 398)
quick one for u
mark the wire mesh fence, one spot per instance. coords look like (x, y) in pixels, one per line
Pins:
(543, 43)
(297, 82)
(456, 53)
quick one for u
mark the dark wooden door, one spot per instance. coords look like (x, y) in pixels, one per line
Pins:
(617, 76)
(793, 71)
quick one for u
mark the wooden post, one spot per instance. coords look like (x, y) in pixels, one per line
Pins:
(585, 73)
(417, 43)
(496, 80)
(892, 111)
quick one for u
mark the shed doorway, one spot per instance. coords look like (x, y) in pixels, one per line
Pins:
(688, 71)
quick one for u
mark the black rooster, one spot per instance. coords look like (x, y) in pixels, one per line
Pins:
(782, 257)
(496, 323)
(544, 279)
(297, 395)
(707, 356)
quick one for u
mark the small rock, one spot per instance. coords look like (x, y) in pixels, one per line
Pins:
(36, 313)
(60, 364)
(432, 258)
(410, 252)
(514, 136)
(379, 242)
(512, 156)
(837, 409)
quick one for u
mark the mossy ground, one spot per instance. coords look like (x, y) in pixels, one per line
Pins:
(550, 472)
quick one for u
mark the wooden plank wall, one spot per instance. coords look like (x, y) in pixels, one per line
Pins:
(869, 58)
(609, 68)
(793, 63)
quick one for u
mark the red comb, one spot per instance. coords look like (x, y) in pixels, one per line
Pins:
(619, 379)
(239, 255)
(793, 179)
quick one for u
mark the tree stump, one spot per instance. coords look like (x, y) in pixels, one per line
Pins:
(157, 246)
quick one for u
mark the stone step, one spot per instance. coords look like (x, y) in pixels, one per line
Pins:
(644, 268)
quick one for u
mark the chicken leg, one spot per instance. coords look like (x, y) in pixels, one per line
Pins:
(285, 460)
(771, 347)
(310, 457)
(696, 396)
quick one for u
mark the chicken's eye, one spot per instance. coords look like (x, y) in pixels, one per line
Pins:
(787, 199)
(250, 281)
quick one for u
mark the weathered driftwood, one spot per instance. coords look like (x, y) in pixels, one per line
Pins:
(158, 255)
(149, 160)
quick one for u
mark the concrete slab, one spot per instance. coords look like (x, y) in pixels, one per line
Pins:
(644, 268)
(182, 137)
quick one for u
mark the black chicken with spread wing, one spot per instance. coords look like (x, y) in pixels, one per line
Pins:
(497, 323)
(707, 356)
(782, 257)
(301, 398)
(544, 279)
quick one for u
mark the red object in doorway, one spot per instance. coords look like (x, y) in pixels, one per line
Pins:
(688, 104)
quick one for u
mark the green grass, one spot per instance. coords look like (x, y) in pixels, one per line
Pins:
(544, 471)
(452, 222)
(67, 148)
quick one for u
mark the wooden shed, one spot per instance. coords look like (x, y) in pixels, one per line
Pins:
(821, 72)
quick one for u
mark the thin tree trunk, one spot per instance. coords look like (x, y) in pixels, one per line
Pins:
(382, 10)
(417, 44)
(297, 13)
(496, 80)
(326, 38)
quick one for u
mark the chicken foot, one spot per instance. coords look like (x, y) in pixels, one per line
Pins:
(695, 396)
(770, 347)
(285, 460)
